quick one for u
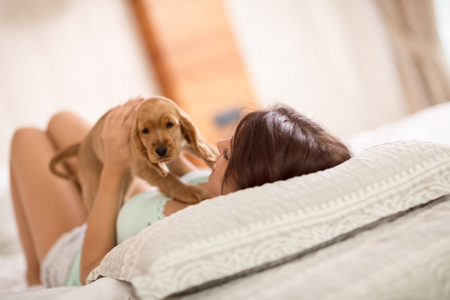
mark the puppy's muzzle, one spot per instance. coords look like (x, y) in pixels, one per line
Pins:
(161, 151)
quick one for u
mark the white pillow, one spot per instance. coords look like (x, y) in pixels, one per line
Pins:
(250, 229)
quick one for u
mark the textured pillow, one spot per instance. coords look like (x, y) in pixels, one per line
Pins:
(251, 229)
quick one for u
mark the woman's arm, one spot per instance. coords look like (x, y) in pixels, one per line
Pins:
(100, 235)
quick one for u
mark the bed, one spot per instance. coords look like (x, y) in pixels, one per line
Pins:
(375, 227)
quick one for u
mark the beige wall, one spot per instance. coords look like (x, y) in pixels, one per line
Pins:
(329, 59)
(84, 55)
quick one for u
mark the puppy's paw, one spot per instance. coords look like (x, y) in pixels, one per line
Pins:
(192, 194)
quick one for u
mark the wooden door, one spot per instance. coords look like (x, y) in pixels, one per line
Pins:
(197, 61)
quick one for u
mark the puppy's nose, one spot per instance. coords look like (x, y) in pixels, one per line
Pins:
(161, 151)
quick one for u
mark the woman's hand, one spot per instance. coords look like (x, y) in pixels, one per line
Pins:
(116, 134)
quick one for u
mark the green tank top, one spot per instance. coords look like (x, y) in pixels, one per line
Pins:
(144, 209)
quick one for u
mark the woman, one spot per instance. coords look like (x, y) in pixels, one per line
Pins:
(268, 145)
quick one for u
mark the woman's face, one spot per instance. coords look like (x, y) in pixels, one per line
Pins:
(218, 169)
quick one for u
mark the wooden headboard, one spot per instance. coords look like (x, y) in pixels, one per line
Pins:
(197, 61)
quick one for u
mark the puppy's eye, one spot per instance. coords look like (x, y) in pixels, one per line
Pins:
(169, 125)
(145, 131)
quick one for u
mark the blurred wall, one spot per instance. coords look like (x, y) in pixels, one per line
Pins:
(85, 56)
(329, 59)
(442, 9)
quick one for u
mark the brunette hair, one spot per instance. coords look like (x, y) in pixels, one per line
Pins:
(279, 143)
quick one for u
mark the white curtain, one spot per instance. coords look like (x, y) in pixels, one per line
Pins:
(419, 53)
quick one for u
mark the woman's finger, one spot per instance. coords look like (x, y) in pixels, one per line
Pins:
(121, 116)
(131, 105)
(110, 118)
(118, 115)
(130, 120)
(131, 115)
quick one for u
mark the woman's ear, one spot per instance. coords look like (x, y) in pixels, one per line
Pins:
(192, 136)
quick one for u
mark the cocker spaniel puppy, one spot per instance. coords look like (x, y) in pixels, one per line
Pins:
(160, 132)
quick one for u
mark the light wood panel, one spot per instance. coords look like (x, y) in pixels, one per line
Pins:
(197, 60)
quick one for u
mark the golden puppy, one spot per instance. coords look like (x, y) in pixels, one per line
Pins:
(160, 132)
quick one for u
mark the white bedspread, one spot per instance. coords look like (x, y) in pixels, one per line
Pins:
(431, 124)
(104, 288)
(12, 260)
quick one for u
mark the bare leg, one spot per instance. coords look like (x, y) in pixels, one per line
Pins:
(45, 205)
(65, 129)
(26, 239)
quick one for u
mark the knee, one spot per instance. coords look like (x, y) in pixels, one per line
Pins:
(23, 139)
(23, 135)
(58, 119)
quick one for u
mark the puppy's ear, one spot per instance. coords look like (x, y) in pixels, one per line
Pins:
(192, 135)
(136, 137)
(161, 169)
